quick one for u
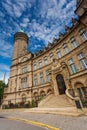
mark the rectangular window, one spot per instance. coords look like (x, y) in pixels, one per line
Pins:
(48, 76)
(34, 65)
(40, 63)
(51, 57)
(83, 61)
(24, 69)
(83, 34)
(45, 60)
(24, 82)
(66, 49)
(42, 78)
(72, 66)
(59, 54)
(74, 42)
(35, 80)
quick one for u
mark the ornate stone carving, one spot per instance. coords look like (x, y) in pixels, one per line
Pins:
(56, 66)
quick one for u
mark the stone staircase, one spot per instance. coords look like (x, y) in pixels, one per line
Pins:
(52, 101)
(68, 111)
(60, 105)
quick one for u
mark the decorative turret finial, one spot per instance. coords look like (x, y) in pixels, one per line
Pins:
(67, 28)
(74, 21)
(60, 35)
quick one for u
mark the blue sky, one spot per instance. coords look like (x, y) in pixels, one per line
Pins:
(41, 20)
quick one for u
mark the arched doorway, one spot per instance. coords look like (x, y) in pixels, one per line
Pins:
(61, 84)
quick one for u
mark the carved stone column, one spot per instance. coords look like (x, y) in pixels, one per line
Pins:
(66, 74)
(55, 70)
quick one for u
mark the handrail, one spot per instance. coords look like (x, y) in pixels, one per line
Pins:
(70, 96)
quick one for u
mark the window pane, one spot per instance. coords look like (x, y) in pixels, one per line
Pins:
(24, 69)
(51, 57)
(42, 78)
(73, 68)
(70, 61)
(74, 44)
(83, 34)
(84, 63)
(46, 61)
(59, 54)
(40, 63)
(48, 76)
(65, 47)
(80, 56)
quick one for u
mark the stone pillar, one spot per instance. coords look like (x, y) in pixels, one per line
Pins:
(66, 74)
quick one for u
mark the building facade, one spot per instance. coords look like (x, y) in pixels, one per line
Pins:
(60, 68)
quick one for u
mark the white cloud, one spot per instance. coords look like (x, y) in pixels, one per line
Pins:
(24, 22)
(5, 49)
(54, 14)
(4, 67)
(15, 9)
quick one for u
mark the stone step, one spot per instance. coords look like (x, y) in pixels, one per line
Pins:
(71, 111)
(55, 101)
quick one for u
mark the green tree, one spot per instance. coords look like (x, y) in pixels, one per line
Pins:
(2, 85)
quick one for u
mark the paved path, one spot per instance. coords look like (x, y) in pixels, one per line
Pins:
(62, 122)
(6, 124)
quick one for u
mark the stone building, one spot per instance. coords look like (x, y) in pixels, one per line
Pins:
(57, 75)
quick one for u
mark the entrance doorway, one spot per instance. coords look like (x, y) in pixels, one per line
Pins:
(61, 84)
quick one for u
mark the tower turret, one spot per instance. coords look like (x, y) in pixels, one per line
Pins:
(20, 44)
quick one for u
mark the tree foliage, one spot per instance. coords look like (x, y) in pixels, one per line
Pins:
(2, 85)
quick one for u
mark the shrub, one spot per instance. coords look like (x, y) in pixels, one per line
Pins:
(33, 103)
(85, 103)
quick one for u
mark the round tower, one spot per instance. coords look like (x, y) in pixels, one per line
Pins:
(20, 44)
